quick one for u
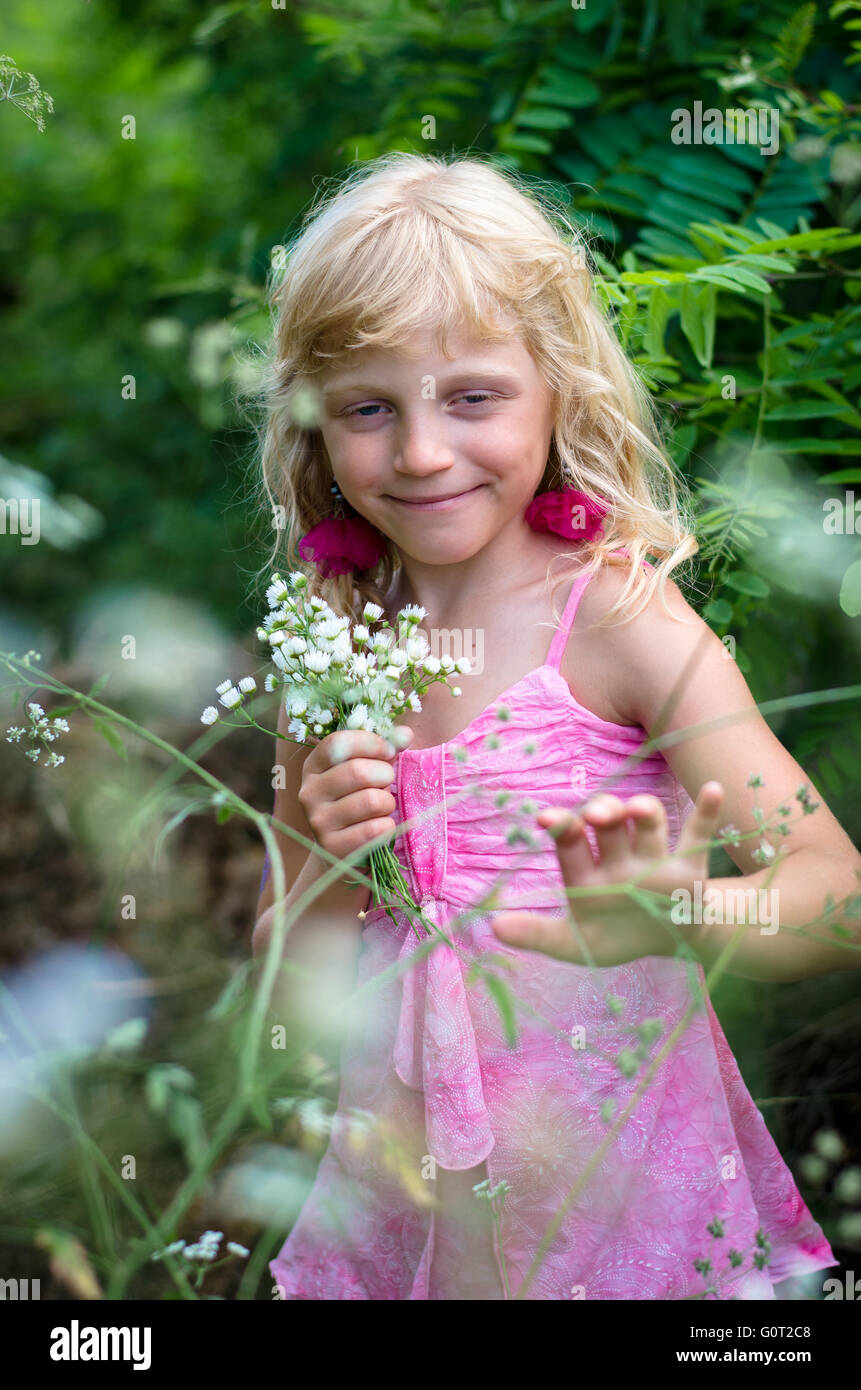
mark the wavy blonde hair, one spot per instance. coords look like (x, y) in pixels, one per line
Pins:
(408, 240)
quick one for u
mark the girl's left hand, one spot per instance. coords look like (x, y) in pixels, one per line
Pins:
(633, 844)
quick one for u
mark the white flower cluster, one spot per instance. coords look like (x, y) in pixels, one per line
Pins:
(206, 1249)
(42, 730)
(340, 675)
(231, 697)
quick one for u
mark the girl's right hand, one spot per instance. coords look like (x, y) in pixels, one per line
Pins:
(345, 790)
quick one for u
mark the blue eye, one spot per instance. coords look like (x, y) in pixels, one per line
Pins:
(471, 397)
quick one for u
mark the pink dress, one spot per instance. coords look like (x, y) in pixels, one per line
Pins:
(434, 1098)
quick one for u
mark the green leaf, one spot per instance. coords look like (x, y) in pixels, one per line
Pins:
(819, 446)
(734, 271)
(718, 611)
(544, 118)
(232, 993)
(567, 88)
(698, 320)
(746, 583)
(843, 475)
(111, 737)
(99, 684)
(126, 1036)
(806, 410)
(502, 998)
(260, 1109)
(850, 590)
(533, 143)
(659, 309)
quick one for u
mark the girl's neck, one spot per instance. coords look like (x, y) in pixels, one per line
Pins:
(453, 592)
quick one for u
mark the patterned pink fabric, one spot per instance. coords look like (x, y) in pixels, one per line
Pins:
(433, 1099)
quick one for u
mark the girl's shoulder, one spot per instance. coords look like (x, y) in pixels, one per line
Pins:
(644, 650)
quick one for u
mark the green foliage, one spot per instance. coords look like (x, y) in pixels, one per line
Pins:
(731, 275)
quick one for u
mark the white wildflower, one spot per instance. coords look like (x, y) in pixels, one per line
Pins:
(360, 633)
(314, 1116)
(414, 702)
(277, 593)
(432, 664)
(371, 612)
(318, 662)
(168, 1250)
(231, 698)
(296, 729)
(361, 666)
(36, 711)
(209, 716)
(446, 663)
(296, 645)
(341, 649)
(236, 1249)
(247, 684)
(463, 665)
(456, 690)
(270, 683)
(359, 717)
(417, 648)
(225, 685)
(54, 760)
(13, 735)
(330, 627)
(206, 1248)
(413, 613)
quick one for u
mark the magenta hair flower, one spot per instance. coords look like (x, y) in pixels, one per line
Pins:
(340, 545)
(560, 512)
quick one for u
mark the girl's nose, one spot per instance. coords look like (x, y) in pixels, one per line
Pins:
(423, 450)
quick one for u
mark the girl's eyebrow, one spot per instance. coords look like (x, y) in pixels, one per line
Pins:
(499, 375)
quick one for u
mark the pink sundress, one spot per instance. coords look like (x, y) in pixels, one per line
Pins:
(434, 1098)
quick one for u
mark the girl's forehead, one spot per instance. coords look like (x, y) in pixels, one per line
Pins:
(460, 347)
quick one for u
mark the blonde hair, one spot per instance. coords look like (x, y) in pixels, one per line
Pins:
(406, 241)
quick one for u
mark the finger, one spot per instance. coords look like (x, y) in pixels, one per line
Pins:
(369, 803)
(702, 823)
(649, 834)
(355, 774)
(606, 815)
(573, 850)
(535, 931)
(354, 743)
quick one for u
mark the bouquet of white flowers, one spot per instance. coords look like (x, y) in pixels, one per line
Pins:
(339, 675)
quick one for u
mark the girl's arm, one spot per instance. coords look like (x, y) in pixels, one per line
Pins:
(658, 660)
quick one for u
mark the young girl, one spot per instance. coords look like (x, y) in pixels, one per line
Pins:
(475, 413)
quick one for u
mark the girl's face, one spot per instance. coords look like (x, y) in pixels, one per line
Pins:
(439, 455)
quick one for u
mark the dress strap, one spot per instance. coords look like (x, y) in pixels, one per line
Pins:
(560, 637)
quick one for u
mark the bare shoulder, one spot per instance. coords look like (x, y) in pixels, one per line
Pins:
(641, 657)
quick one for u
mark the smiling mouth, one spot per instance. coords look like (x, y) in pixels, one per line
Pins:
(434, 503)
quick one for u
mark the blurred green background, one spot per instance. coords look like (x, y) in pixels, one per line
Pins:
(733, 278)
